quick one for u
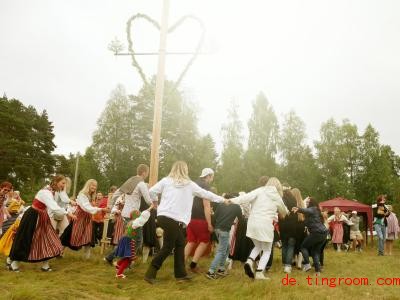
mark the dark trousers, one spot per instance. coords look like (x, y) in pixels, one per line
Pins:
(174, 238)
(321, 255)
(313, 244)
(288, 246)
(97, 231)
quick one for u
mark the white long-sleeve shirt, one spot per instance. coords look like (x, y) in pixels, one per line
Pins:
(265, 203)
(342, 218)
(46, 197)
(141, 220)
(62, 199)
(177, 199)
(84, 204)
(132, 202)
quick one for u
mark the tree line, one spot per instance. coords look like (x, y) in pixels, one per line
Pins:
(342, 162)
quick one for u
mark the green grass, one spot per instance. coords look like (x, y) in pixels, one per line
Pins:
(75, 278)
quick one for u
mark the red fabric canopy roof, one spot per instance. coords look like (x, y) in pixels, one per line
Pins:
(346, 205)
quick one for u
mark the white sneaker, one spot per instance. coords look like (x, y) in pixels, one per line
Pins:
(299, 260)
(306, 267)
(287, 269)
(230, 264)
(260, 276)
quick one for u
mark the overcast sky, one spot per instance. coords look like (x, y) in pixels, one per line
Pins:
(321, 58)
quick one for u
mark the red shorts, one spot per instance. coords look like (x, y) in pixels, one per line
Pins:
(197, 231)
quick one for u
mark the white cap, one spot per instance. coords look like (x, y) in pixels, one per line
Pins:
(206, 172)
(354, 212)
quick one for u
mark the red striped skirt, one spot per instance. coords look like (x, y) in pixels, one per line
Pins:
(45, 242)
(118, 229)
(82, 229)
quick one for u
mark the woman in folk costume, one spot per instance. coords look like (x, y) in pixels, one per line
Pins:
(60, 222)
(265, 202)
(7, 239)
(36, 240)
(118, 219)
(337, 219)
(14, 206)
(79, 233)
(392, 230)
(126, 248)
(5, 188)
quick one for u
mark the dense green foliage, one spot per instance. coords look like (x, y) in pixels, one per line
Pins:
(342, 162)
(26, 145)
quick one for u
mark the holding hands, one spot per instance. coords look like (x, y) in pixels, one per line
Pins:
(72, 216)
(295, 209)
(227, 201)
(152, 206)
(106, 209)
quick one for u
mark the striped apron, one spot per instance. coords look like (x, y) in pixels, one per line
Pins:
(118, 229)
(82, 229)
(45, 241)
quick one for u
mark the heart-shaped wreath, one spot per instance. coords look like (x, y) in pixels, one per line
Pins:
(171, 29)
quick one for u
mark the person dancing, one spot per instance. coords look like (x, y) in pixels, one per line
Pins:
(79, 233)
(36, 240)
(265, 202)
(173, 215)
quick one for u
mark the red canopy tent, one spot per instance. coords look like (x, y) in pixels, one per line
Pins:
(346, 205)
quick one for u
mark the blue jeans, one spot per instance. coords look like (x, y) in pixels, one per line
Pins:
(222, 251)
(313, 244)
(288, 251)
(381, 233)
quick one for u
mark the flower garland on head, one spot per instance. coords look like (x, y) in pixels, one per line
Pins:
(131, 232)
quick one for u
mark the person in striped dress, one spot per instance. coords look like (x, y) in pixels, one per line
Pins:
(5, 188)
(79, 233)
(36, 240)
(118, 220)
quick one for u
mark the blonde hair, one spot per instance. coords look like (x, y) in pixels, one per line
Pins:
(299, 202)
(86, 187)
(273, 181)
(179, 172)
(68, 184)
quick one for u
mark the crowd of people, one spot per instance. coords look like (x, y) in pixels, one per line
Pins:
(183, 218)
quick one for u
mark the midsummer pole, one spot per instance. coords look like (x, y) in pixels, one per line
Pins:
(159, 93)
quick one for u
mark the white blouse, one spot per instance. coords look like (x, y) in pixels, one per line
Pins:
(177, 198)
(265, 203)
(84, 204)
(46, 197)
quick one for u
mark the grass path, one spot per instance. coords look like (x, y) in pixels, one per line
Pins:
(76, 278)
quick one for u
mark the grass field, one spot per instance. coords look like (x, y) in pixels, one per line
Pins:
(76, 278)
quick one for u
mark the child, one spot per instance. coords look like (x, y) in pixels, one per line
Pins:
(7, 239)
(126, 246)
(224, 218)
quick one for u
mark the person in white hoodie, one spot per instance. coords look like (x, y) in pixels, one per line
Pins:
(265, 202)
(173, 215)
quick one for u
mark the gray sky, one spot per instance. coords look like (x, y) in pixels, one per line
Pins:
(321, 58)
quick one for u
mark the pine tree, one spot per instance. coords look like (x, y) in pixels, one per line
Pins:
(259, 159)
(230, 176)
(298, 168)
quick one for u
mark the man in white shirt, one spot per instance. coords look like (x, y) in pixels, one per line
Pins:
(134, 189)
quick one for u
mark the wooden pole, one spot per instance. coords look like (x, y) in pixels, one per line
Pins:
(76, 176)
(155, 143)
